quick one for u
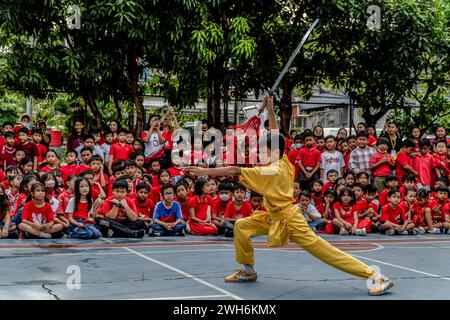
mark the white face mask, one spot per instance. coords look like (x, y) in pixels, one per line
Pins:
(224, 197)
(49, 184)
(298, 146)
(26, 125)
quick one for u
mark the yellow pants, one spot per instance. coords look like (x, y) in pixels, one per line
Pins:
(298, 232)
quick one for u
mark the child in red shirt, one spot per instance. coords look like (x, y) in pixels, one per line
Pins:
(308, 160)
(13, 192)
(118, 172)
(316, 194)
(200, 223)
(391, 184)
(440, 159)
(424, 164)
(97, 169)
(52, 158)
(358, 191)
(154, 167)
(436, 218)
(71, 167)
(144, 206)
(7, 151)
(25, 191)
(29, 148)
(346, 218)
(420, 209)
(220, 204)
(393, 218)
(64, 198)
(181, 189)
(406, 204)
(80, 212)
(37, 216)
(332, 176)
(41, 149)
(236, 209)
(367, 208)
(408, 182)
(121, 150)
(381, 164)
(155, 192)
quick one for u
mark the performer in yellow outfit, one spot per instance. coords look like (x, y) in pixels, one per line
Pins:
(283, 221)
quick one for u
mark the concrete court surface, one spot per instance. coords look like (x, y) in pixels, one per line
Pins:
(193, 268)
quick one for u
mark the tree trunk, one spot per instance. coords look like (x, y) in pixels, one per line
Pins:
(286, 108)
(215, 80)
(133, 76)
(118, 109)
(90, 100)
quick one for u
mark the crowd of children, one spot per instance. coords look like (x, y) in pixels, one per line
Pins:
(114, 185)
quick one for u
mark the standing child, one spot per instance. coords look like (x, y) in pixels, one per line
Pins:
(71, 167)
(80, 213)
(331, 160)
(346, 218)
(7, 151)
(29, 148)
(37, 216)
(403, 161)
(121, 150)
(424, 164)
(106, 146)
(41, 148)
(308, 160)
(440, 159)
(200, 223)
(167, 220)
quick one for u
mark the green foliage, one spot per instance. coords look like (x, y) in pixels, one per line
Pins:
(11, 106)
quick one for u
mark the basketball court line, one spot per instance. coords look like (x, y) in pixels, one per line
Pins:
(183, 298)
(185, 274)
(404, 268)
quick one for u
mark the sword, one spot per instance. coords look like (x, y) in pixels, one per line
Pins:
(288, 64)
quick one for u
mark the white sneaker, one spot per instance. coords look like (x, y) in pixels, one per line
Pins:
(389, 232)
(45, 235)
(380, 286)
(404, 233)
(110, 233)
(342, 231)
(361, 232)
(420, 230)
(435, 231)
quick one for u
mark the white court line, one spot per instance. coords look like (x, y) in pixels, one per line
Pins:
(404, 268)
(185, 274)
(183, 298)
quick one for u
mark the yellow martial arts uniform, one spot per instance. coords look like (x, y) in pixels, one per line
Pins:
(284, 221)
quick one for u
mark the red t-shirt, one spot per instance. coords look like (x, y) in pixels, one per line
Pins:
(232, 213)
(38, 215)
(200, 206)
(396, 215)
(20, 203)
(437, 210)
(155, 181)
(383, 170)
(41, 151)
(143, 209)
(7, 155)
(174, 172)
(424, 165)
(184, 208)
(47, 169)
(63, 199)
(121, 214)
(402, 159)
(327, 186)
(82, 212)
(362, 206)
(383, 197)
(82, 167)
(67, 170)
(292, 156)
(345, 212)
(155, 194)
(110, 185)
(309, 157)
(29, 148)
(346, 158)
(119, 151)
(317, 198)
(404, 206)
(218, 207)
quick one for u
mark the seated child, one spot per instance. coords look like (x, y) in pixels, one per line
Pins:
(312, 215)
(393, 218)
(236, 209)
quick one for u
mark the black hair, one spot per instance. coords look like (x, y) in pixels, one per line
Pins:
(152, 161)
(120, 183)
(442, 179)
(181, 183)
(360, 174)
(254, 194)
(86, 149)
(363, 124)
(332, 192)
(357, 185)
(299, 137)
(306, 193)
(166, 186)
(348, 173)
(34, 131)
(37, 185)
(7, 123)
(330, 137)
(307, 134)
(410, 190)
(391, 177)
(25, 160)
(423, 193)
(392, 192)
(362, 134)
(424, 143)
(370, 188)
(85, 172)
(117, 168)
(163, 171)
(71, 176)
(351, 137)
(225, 186)
(96, 157)
(409, 143)
(441, 189)
(23, 130)
(88, 136)
(73, 132)
(78, 195)
(8, 134)
(382, 141)
(45, 177)
(199, 184)
(71, 151)
(130, 163)
(142, 185)
(440, 141)
(134, 155)
(239, 186)
(408, 177)
(28, 177)
(11, 169)
(350, 193)
(4, 204)
(332, 171)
